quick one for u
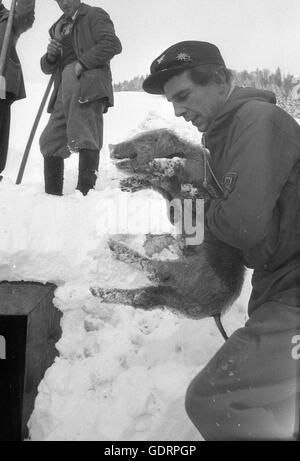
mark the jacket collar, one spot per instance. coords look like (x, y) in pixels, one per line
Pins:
(237, 98)
(4, 13)
(83, 9)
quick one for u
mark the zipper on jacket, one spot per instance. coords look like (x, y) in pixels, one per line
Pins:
(214, 188)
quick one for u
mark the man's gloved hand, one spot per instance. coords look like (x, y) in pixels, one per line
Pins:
(25, 8)
(24, 16)
(78, 69)
(54, 50)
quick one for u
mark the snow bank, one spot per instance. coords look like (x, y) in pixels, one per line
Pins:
(121, 373)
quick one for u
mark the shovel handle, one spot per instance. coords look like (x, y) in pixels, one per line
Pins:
(33, 130)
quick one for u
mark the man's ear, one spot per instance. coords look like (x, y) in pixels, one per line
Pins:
(220, 77)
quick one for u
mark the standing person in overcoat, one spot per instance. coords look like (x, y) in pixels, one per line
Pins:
(15, 89)
(82, 44)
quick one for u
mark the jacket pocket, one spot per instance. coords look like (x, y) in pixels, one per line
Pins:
(95, 84)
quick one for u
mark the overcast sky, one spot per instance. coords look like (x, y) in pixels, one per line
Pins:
(250, 33)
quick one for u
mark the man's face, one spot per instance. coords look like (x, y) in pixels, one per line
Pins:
(195, 103)
(69, 7)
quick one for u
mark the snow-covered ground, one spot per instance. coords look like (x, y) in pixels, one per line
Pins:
(121, 373)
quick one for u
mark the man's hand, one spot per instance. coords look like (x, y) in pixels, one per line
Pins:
(78, 69)
(54, 50)
(24, 17)
(25, 8)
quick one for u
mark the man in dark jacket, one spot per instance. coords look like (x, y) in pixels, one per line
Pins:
(23, 20)
(250, 388)
(83, 42)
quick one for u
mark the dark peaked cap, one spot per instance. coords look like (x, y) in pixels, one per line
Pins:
(178, 58)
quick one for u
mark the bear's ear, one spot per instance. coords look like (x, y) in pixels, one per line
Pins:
(168, 145)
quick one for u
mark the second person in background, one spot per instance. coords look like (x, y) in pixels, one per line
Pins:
(83, 41)
(15, 89)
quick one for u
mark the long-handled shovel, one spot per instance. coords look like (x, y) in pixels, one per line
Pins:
(33, 130)
(4, 50)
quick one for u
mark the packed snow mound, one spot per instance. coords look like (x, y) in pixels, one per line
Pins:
(121, 373)
(52, 239)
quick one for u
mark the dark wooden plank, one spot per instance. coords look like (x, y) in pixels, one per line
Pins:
(30, 350)
(12, 371)
(2, 348)
(19, 298)
(43, 332)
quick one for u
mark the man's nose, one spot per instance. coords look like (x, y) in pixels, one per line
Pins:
(178, 110)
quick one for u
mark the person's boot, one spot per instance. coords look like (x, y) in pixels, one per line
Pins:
(88, 167)
(54, 175)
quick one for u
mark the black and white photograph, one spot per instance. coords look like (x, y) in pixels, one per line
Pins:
(149, 223)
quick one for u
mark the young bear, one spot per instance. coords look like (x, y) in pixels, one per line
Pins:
(207, 278)
(160, 160)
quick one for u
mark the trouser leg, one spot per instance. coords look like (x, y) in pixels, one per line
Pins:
(75, 127)
(54, 175)
(53, 140)
(54, 147)
(84, 129)
(249, 390)
(88, 167)
(5, 105)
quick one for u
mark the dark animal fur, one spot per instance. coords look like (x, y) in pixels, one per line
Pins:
(207, 278)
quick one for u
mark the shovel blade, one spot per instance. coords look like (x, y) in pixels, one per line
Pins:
(2, 87)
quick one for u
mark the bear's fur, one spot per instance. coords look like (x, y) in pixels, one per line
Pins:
(159, 159)
(203, 282)
(205, 279)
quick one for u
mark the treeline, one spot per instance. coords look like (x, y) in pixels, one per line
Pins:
(134, 84)
(284, 86)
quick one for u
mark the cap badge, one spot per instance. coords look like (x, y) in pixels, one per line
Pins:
(184, 57)
(160, 60)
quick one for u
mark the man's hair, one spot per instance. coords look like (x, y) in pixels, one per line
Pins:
(204, 74)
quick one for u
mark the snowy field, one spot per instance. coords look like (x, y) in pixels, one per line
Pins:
(121, 373)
